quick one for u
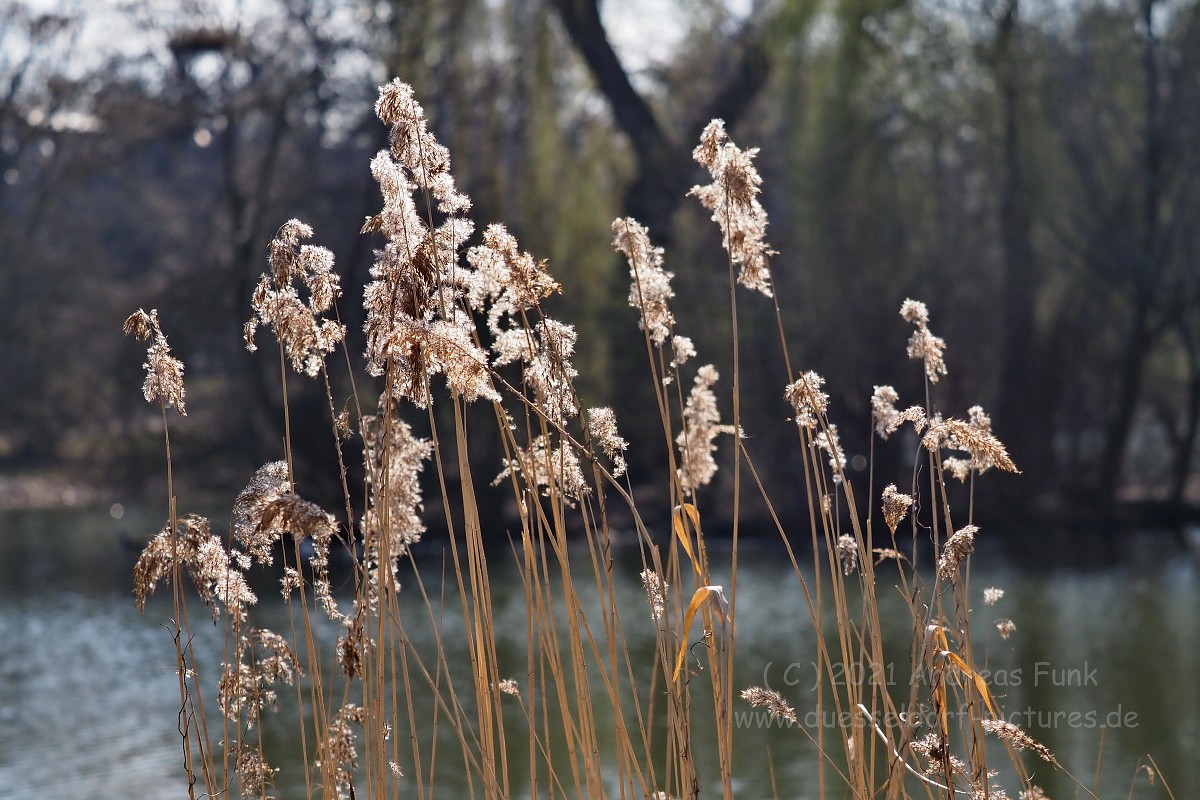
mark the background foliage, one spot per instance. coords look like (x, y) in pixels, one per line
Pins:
(1027, 168)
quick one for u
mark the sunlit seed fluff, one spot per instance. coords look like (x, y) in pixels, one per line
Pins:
(340, 746)
(504, 276)
(254, 773)
(914, 312)
(1033, 793)
(1018, 738)
(884, 553)
(895, 507)
(1006, 627)
(957, 547)
(602, 425)
(682, 349)
(985, 449)
(416, 326)
(545, 351)
(650, 285)
(772, 701)
(992, 595)
(164, 372)
(656, 593)
(809, 403)
(414, 146)
(268, 484)
(847, 553)
(733, 199)
(923, 345)
(553, 469)
(829, 441)
(277, 303)
(510, 687)
(217, 574)
(701, 426)
(393, 459)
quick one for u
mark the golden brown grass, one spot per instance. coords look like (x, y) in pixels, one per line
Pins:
(565, 469)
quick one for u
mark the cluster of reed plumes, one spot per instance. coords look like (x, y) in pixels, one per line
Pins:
(475, 317)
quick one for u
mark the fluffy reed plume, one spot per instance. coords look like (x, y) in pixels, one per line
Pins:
(339, 750)
(975, 438)
(544, 351)
(656, 593)
(266, 509)
(888, 418)
(992, 595)
(847, 553)
(254, 773)
(935, 750)
(305, 336)
(957, 547)
(268, 484)
(650, 289)
(262, 658)
(1033, 793)
(416, 325)
(510, 280)
(1006, 627)
(1018, 738)
(733, 199)
(216, 573)
(510, 687)
(701, 426)
(414, 146)
(394, 459)
(602, 425)
(808, 401)
(884, 553)
(164, 372)
(681, 350)
(772, 701)
(544, 465)
(895, 507)
(829, 441)
(923, 345)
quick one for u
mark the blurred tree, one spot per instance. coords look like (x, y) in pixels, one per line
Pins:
(662, 156)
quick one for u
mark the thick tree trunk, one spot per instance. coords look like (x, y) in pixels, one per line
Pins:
(664, 165)
(1026, 410)
(1181, 467)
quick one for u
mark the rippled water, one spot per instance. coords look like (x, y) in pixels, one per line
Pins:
(88, 699)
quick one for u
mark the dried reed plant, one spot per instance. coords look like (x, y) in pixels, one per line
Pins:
(565, 468)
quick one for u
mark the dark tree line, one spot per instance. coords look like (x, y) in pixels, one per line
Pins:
(1029, 170)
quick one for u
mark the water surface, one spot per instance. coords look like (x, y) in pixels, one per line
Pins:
(1102, 663)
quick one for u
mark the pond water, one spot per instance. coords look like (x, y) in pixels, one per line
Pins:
(1103, 663)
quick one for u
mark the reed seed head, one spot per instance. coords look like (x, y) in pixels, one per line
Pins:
(772, 701)
(808, 401)
(957, 547)
(895, 507)
(656, 593)
(164, 372)
(733, 199)
(847, 553)
(701, 426)
(1018, 738)
(602, 425)
(650, 285)
(923, 345)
